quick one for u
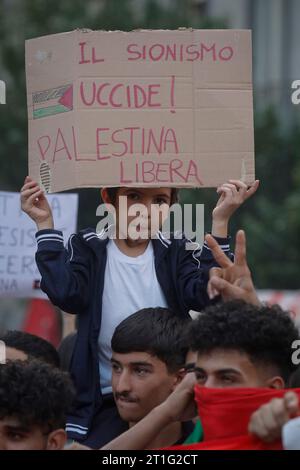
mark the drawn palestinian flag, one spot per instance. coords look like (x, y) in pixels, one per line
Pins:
(53, 101)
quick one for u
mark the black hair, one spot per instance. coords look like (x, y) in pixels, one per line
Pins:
(113, 192)
(264, 333)
(158, 332)
(294, 381)
(35, 393)
(32, 345)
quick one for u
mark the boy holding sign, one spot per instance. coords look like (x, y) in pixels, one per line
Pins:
(105, 280)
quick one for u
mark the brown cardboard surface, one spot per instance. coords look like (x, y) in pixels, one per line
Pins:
(144, 108)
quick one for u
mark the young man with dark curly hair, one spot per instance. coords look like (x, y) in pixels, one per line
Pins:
(242, 345)
(34, 400)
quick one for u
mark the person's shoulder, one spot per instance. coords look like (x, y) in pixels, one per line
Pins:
(180, 241)
(88, 239)
(85, 235)
(187, 428)
(79, 240)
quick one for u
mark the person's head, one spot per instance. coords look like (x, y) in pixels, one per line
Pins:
(155, 201)
(34, 400)
(148, 353)
(21, 345)
(241, 345)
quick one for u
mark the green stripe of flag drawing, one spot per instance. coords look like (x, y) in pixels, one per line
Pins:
(59, 100)
(49, 111)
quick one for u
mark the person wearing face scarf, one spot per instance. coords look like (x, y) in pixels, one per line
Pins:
(243, 361)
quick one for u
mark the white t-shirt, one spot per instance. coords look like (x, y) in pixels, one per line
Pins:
(130, 284)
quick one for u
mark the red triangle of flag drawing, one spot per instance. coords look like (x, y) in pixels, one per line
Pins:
(67, 98)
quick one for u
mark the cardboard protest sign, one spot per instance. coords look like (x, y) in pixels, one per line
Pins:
(19, 276)
(144, 108)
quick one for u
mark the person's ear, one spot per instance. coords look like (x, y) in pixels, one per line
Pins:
(178, 377)
(56, 440)
(276, 382)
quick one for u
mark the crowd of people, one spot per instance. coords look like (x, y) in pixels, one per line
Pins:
(140, 372)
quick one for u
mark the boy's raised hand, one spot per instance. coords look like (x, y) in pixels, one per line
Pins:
(180, 405)
(232, 280)
(232, 195)
(34, 203)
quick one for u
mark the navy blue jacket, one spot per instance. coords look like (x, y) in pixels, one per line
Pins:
(73, 279)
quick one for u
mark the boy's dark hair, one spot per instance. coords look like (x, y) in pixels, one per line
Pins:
(32, 345)
(264, 333)
(158, 332)
(35, 393)
(112, 193)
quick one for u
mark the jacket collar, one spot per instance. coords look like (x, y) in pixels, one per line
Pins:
(98, 242)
